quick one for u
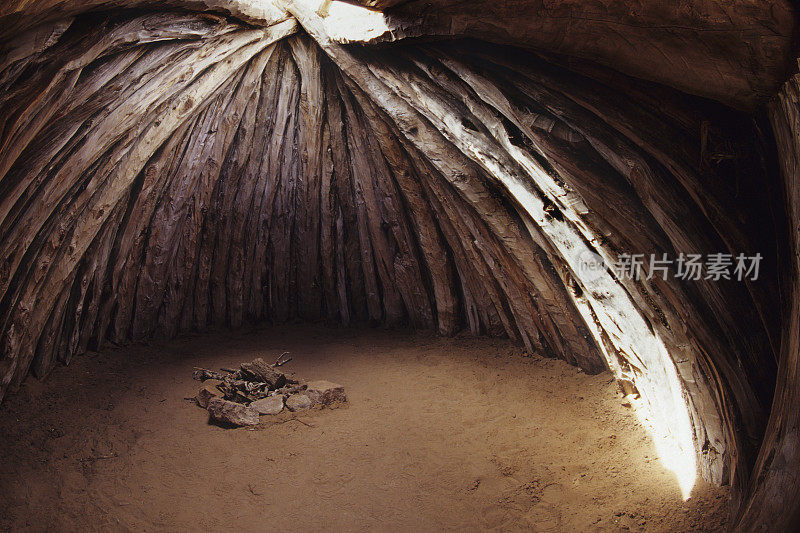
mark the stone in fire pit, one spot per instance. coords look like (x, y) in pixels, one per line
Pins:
(239, 397)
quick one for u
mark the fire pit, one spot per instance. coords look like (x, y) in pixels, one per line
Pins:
(240, 397)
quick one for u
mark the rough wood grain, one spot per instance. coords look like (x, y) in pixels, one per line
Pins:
(738, 52)
(773, 498)
(167, 171)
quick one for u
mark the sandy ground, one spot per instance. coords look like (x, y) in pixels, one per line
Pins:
(439, 434)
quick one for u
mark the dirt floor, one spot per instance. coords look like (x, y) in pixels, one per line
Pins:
(439, 434)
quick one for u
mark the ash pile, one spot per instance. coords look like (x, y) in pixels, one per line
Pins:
(241, 397)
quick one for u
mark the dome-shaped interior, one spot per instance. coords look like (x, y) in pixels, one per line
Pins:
(180, 166)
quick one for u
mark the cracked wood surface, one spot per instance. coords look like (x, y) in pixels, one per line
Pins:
(737, 52)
